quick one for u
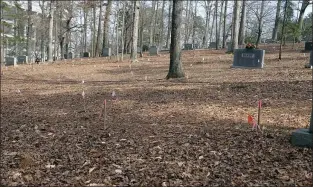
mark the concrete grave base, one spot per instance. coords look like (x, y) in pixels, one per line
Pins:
(302, 138)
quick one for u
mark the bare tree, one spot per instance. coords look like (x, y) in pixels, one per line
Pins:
(224, 24)
(260, 27)
(50, 38)
(135, 31)
(99, 31)
(176, 69)
(105, 40)
(152, 23)
(122, 34)
(194, 25)
(216, 26)
(169, 24)
(207, 21)
(242, 29)
(283, 30)
(277, 18)
(304, 5)
(162, 26)
(236, 25)
(29, 31)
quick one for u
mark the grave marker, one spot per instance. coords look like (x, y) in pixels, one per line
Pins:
(106, 52)
(188, 47)
(22, 59)
(86, 54)
(212, 45)
(303, 137)
(10, 61)
(308, 46)
(248, 58)
(153, 50)
(311, 61)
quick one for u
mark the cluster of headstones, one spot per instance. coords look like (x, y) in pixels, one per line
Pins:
(9, 61)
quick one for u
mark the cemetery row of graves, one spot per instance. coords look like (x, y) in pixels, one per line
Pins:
(100, 122)
(153, 50)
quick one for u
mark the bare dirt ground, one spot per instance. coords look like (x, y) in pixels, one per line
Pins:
(185, 132)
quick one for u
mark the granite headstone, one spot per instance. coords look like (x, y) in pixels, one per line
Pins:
(22, 59)
(188, 47)
(86, 54)
(106, 52)
(248, 58)
(10, 61)
(212, 45)
(308, 46)
(153, 50)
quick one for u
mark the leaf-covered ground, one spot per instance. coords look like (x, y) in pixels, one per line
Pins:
(185, 132)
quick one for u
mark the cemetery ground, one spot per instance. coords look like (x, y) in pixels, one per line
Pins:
(190, 132)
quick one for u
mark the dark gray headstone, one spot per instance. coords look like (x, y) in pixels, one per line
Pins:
(22, 59)
(212, 45)
(86, 54)
(196, 46)
(138, 49)
(229, 46)
(188, 47)
(153, 50)
(10, 61)
(106, 52)
(248, 58)
(70, 55)
(308, 46)
(302, 138)
(65, 56)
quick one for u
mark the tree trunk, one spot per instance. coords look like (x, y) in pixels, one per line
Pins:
(142, 16)
(169, 26)
(242, 29)
(275, 30)
(29, 32)
(93, 39)
(236, 25)
(155, 23)
(187, 21)
(42, 42)
(55, 45)
(85, 27)
(194, 25)
(260, 24)
(216, 26)
(135, 32)
(50, 58)
(212, 28)
(162, 27)
(99, 31)
(116, 25)
(204, 39)
(122, 37)
(224, 24)
(105, 41)
(283, 31)
(220, 25)
(152, 24)
(304, 5)
(176, 69)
